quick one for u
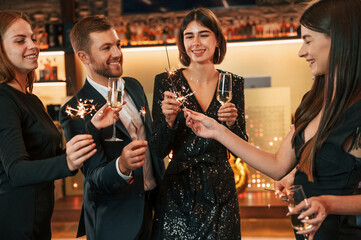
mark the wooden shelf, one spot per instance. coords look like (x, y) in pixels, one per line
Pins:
(262, 204)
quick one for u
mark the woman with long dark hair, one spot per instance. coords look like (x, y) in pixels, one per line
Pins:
(325, 141)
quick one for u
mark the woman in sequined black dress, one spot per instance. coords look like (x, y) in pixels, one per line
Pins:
(197, 197)
(325, 141)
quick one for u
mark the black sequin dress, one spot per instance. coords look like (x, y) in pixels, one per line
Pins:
(336, 173)
(197, 198)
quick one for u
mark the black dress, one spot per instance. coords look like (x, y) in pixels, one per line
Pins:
(197, 198)
(31, 157)
(336, 173)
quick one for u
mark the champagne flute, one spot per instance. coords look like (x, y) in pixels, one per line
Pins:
(295, 196)
(224, 88)
(115, 99)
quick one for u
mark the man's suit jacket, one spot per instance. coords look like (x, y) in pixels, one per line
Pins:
(112, 208)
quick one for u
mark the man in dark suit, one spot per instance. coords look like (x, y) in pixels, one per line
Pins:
(120, 179)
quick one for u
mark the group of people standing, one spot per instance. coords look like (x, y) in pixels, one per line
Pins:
(128, 194)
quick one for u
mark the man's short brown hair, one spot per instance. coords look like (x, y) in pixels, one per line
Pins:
(79, 34)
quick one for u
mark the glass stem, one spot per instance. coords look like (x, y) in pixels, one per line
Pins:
(113, 128)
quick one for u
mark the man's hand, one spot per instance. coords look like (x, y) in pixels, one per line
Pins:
(133, 156)
(105, 116)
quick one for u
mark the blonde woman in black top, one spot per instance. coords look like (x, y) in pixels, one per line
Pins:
(31, 157)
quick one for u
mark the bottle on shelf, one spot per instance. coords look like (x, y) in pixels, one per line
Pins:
(248, 28)
(121, 33)
(165, 31)
(41, 71)
(54, 68)
(253, 28)
(292, 29)
(283, 28)
(260, 29)
(230, 30)
(52, 30)
(237, 28)
(267, 29)
(145, 30)
(42, 38)
(60, 35)
(47, 70)
(128, 33)
(275, 29)
(243, 28)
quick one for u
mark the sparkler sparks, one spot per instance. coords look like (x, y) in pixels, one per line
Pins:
(82, 109)
(171, 72)
(183, 99)
(180, 97)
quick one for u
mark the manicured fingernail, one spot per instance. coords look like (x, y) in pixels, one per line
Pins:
(300, 216)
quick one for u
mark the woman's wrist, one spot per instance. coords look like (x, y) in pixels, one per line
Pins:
(220, 133)
(326, 201)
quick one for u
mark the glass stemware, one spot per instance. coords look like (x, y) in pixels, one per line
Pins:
(115, 99)
(224, 88)
(295, 196)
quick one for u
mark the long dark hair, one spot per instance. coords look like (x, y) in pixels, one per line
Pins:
(7, 74)
(341, 21)
(207, 19)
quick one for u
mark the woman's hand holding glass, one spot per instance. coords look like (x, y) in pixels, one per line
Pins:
(314, 214)
(170, 107)
(228, 113)
(300, 210)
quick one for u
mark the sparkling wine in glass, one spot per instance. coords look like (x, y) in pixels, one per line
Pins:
(115, 99)
(224, 88)
(295, 196)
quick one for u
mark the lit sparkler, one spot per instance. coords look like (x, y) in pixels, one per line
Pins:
(183, 99)
(171, 72)
(82, 109)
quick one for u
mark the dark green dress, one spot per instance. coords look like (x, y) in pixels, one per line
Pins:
(336, 173)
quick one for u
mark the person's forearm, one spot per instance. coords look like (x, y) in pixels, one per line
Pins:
(259, 159)
(346, 205)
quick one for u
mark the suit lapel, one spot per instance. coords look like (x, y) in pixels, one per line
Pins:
(95, 95)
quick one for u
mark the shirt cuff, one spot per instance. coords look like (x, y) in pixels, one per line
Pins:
(125, 177)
